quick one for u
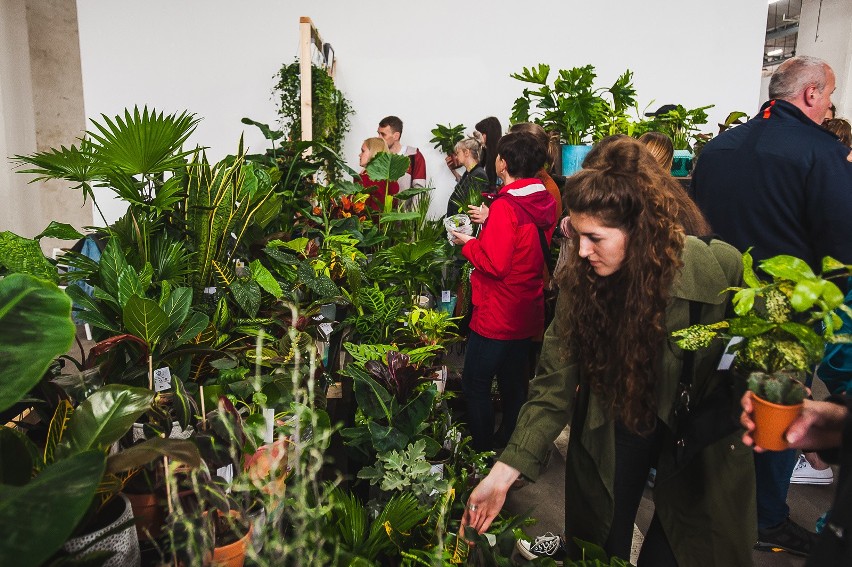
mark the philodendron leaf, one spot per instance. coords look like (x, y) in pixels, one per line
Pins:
(145, 319)
(35, 328)
(194, 326)
(24, 255)
(247, 296)
(749, 277)
(181, 450)
(176, 307)
(103, 418)
(55, 501)
(386, 166)
(806, 293)
(112, 263)
(829, 264)
(61, 231)
(129, 285)
(787, 267)
(265, 279)
(743, 301)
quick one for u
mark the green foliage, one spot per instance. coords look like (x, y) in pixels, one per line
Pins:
(375, 316)
(366, 540)
(35, 328)
(55, 502)
(781, 388)
(777, 319)
(446, 137)
(24, 255)
(407, 472)
(330, 109)
(428, 327)
(572, 106)
(386, 166)
(680, 124)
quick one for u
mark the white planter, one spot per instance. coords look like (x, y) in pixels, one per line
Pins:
(124, 545)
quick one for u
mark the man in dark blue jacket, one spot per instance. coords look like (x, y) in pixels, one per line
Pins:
(781, 184)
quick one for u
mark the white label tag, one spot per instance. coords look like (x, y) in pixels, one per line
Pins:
(88, 330)
(210, 290)
(445, 296)
(728, 358)
(226, 472)
(162, 379)
(269, 418)
(326, 329)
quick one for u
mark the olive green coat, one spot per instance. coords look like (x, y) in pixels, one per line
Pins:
(707, 509)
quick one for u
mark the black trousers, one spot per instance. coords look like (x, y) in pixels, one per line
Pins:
(634, 456)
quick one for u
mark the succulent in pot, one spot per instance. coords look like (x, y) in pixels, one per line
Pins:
(778, 334)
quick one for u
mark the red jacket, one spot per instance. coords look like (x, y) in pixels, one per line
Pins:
(507, 287)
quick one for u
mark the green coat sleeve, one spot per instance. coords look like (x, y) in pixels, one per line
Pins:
(549, 405)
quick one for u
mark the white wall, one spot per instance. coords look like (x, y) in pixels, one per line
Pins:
(428, 62)
(826, 32)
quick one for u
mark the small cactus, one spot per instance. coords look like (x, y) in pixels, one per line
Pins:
(781, 388)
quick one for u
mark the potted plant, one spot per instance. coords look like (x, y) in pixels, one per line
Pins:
(446, 137)
(681, 125)
(773, 336)
(574, 108)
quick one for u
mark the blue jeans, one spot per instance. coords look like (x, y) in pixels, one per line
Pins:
(485, 358)
(772, 471)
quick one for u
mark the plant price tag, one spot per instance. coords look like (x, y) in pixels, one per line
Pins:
(226, 473)
(445, 296)
(728, 358)
(326, 329)
(162, 379)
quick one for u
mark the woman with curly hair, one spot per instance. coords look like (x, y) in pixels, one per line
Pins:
(610, 368)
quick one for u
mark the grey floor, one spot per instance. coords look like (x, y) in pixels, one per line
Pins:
(544, 501)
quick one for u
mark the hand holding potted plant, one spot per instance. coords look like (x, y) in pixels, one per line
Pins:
(778, 334)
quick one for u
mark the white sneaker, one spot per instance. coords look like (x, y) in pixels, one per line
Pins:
(804, 473)
(547, 545)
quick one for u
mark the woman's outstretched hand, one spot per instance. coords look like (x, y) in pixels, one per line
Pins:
(487, 498)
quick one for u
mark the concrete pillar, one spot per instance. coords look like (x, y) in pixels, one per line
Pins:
(41, 106)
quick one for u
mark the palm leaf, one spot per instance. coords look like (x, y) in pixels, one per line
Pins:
(143, 143)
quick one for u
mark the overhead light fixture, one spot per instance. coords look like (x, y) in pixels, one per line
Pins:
(774, 52)
(773, 1)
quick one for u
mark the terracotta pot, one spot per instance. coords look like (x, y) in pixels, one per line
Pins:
(232, 554)
(149, 514)
(771, 422)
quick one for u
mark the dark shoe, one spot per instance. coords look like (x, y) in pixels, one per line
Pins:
(547, 545)
(789, 537)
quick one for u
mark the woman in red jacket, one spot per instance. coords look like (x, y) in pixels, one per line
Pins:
(507, 287)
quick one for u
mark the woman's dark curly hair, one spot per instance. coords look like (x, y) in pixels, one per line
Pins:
(614, 326)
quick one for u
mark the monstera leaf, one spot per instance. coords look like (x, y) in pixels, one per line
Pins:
(35, 328)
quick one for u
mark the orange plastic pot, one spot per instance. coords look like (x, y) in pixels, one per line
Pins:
(771, 422)
(149, 515)
(232, 555)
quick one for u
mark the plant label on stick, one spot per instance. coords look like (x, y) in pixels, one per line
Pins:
(727, 358)
(269, 421)
(445, 296)
(162, 379)
(226, 473)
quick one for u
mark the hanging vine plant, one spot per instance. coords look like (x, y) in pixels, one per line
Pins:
(331, 109)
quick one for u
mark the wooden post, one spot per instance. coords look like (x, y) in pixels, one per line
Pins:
(306, 28)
